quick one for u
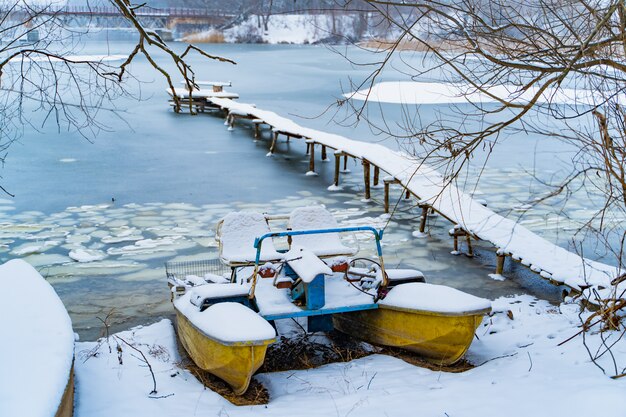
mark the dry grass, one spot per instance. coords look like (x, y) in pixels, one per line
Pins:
(302, 352)
(413, 359)
(212, 36)
(410, 45)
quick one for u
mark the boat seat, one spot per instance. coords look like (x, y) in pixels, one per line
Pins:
(236, 234)
(322, 245)
(206, 295)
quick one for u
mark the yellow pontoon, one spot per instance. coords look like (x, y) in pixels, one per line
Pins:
(433, 321)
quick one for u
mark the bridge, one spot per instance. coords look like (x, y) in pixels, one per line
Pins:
(181, 19)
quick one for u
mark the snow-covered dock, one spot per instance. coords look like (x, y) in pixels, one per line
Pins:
(471, 218)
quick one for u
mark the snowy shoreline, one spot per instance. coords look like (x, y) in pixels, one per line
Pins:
(520, 369)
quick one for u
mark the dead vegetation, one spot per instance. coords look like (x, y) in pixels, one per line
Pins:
(213, 36)
(413, 359)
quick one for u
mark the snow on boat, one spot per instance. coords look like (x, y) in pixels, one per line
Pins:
(303, 272)
(38, 361)
(434, 321)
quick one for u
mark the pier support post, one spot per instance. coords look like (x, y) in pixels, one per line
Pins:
(407, 194)
(345, 163)
(256, 130)
(366, 178)
(423, 218)
(470, 250)
(500, 264)
(376, 175)
(274, 140)
(386, 196)
(308, 148)
(324, 156)
(337, 166)
(312, 157)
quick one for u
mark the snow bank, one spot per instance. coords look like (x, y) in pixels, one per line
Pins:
(435, 298)
(522, 372)
(415, 92)
(227, 322)
(509, 237)
(37, 348)
(295, 28)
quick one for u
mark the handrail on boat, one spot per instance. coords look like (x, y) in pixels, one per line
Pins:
(378, 235)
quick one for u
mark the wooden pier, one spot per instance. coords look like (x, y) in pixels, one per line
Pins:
(471, 219)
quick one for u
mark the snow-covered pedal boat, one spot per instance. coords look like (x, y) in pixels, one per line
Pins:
(38, 355)
(222, 334)
(226, 324)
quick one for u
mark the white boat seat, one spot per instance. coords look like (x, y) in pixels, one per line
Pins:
(323, 245)
(236, 235)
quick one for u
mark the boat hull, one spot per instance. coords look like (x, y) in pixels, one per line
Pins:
(66, 407)
(440, 338)
(235, 363)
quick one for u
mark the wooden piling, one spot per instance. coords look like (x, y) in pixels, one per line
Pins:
(500, 264)
(274, 140)
(337, 167)
(312, 157)
(324, 156)
(386, 196)
(345, 162)
(308, 148)
(366, 178)
(256, 130)
(407, 194)
(376, 175)
(470, 250)
(423, 218)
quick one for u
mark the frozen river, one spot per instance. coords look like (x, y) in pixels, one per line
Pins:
(150, 189)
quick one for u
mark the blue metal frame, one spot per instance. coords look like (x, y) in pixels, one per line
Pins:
(320, 312)
(378, 234)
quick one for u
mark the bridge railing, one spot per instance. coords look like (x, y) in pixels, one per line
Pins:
(181, 12)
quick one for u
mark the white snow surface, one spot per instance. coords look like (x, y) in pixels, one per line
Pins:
(416, 92)
(37, 347)
(87, 255)
(435, 298)
(202, 93)
(522, 372)
(317, 217)
(227, 322)
(292, 28)
(507, 235)
(306, 264)
(239, 229)
(399, 274)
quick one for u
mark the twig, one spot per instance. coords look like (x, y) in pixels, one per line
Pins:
(154, 384)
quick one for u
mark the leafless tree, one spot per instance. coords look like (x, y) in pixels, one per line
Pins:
(560, 69)
(540, 51)
(42, 81)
